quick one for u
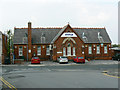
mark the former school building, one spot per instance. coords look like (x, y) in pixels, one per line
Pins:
(50, 43)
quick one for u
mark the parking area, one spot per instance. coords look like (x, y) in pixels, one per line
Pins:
(92, 62)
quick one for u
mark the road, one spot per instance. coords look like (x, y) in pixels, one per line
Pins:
(61, 76)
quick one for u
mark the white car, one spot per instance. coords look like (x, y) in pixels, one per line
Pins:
(62, 59)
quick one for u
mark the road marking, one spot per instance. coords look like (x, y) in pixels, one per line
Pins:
(110, 75)
(35, 65)
(8, 84)
(66, 70)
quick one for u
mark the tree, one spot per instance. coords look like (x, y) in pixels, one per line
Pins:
(9, 42)
(115, 45)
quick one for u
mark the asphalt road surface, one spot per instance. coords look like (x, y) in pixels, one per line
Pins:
(62, 76)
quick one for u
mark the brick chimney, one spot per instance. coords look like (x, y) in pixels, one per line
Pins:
(29, 41)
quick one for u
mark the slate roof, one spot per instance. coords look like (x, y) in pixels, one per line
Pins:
(92, 35)
(51, 34)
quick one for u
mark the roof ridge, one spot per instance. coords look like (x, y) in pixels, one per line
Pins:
(20, 28)
(87, 28)
(41, 28)
(57, 28)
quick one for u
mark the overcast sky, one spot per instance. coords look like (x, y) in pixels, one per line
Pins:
(57, 13)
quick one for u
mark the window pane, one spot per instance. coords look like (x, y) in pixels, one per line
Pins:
(39, 50)
(90, 49)
(20, 51)
(47, 51)
(98, 49)
(105, 49)
(64, 51)
(69, 51)
(73, 51)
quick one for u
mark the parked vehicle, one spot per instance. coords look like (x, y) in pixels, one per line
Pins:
(79, 59)
(35, 60)
(116, 57)
(62, 59)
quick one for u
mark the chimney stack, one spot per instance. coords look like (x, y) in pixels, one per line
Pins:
(29, 41)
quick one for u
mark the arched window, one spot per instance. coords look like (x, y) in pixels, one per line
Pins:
(73, 51)
(64, 51)
(69, 50)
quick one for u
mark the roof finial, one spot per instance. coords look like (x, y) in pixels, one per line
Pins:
(68, 22)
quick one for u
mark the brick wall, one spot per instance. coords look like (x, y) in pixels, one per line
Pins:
(43, 55)
(102, 55)
(4, 47)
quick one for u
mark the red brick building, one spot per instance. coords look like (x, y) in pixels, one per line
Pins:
(50, 43)
(3, 47)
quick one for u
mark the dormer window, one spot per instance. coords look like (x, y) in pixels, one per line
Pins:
(84, 37)
(100, 37)
(24, 40)
(43, 38)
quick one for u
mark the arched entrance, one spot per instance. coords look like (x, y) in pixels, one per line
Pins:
(69, 47)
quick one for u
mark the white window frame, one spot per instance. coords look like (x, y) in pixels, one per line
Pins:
(20, 51)
(47, 50)
(98, 49)
(64, 51)
(38, 50)
(105, 49)
(68, 51)
(90, 49)
(73, 51)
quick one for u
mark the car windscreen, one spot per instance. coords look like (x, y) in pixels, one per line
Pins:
(80, 57)
(63, 57)
(75, 57)
(35, 58)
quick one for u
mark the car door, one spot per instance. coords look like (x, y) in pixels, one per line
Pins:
(75, 59)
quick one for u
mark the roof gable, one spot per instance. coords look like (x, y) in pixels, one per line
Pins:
(60, 32)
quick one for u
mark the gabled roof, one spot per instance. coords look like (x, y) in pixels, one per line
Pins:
(51, 34)
(60, 32)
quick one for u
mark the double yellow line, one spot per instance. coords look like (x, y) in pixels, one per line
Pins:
(105, 73)
(8, 84)
(110, 75)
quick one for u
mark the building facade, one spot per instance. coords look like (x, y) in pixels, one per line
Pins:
(3, 47)
(50, 43)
